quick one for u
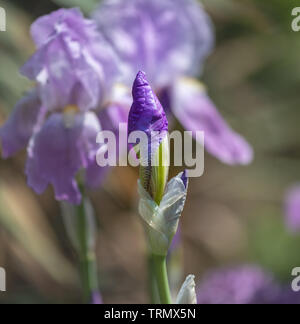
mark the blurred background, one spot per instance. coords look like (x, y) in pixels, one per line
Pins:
(234, 215)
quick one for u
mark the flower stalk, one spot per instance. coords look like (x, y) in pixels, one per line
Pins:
(87, 258)
(80, 227)
(160, 268)
(161, 202)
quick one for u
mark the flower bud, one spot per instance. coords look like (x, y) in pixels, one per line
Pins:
(187, 294)
(147, 115)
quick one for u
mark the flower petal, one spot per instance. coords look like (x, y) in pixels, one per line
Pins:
(73, 64)
(18, 129)
(195, 110)
(164, 38)
(245, 284)
(292, 209)
(59, 151)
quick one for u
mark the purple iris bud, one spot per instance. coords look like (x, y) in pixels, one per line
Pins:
(292, 209)
(73, 65)
(240, 285)
(146, 113)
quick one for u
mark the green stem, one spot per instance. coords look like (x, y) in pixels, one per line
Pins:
(160, 269)
(152, 285)
(87, 258)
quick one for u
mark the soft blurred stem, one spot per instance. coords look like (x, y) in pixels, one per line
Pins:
(160, 270)
(87, 257)
(152, 285)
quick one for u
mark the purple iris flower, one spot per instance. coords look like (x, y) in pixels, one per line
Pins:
(170, 40)
(292, 209)
(75, 70)
(245, 284)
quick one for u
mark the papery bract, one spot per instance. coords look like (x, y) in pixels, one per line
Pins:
(187, 293)
(162, 221)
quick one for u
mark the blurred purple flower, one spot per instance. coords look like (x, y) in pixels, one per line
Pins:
(243, 285)
(97, 298)
(166, 38)
(292, 209)
(170, 40)
(75, 70)
(73, 65)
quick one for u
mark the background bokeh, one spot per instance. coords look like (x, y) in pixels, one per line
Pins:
(234, 215)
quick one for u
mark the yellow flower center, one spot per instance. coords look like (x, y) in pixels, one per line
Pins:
(69, 113)
(70, 109)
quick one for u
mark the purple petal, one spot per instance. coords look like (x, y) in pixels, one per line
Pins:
(18, 129)
(184, 178)
(46, 27)
(73, 65)
(292, 209)
(111, 117)
(164, 38)
(63, 146)
(176, 242)
(146, 113)
(240, 285)
(195, 110)
(97, 298)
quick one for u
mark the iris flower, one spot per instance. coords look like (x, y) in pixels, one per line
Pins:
(170, 41)
(75, 72)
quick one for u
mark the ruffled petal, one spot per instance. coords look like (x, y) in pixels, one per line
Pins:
(195, 110)
(45, 27)
(64, 146)
(18, 129)
(163, 38)
(73, 64)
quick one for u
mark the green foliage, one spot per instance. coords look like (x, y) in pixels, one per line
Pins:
(85, 5)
